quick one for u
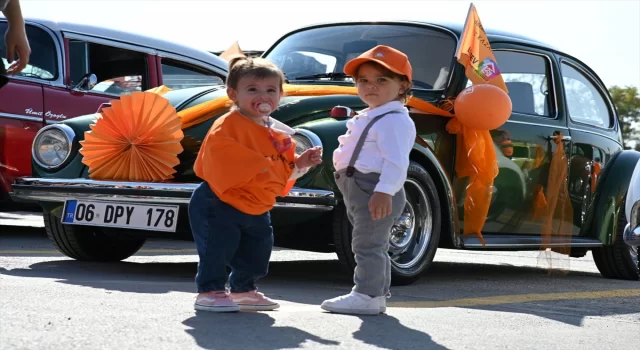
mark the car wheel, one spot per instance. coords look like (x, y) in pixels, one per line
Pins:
(619, 260)
(88, 243)
(414, 237)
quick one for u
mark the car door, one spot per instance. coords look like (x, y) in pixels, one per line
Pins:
(526, 143)
(21, 103)
(117, 68)
(594, 131)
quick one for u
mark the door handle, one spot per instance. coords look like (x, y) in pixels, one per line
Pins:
(564, 137)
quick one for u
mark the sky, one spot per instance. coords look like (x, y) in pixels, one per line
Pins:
(603, 34)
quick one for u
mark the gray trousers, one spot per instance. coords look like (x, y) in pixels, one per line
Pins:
(370, 239)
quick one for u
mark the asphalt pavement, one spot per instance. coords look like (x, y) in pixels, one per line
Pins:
(467, 300)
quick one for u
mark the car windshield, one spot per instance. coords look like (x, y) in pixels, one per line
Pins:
(321, 53)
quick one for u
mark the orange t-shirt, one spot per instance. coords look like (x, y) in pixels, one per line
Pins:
(241, 164)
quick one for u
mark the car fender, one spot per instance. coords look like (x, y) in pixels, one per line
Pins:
(609, 197)
(328, 130)
(633, 194)
(425, 156)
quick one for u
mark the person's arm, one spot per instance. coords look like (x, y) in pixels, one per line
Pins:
(297, 172)
(16, 38)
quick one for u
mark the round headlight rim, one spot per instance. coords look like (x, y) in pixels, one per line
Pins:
(70, 137)
(309, 135)
(313, 139)
(634, 220)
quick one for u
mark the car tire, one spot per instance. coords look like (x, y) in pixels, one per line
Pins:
(88, 243)
(419, 185)
(616, 261)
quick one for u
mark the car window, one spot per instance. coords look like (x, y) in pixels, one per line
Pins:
(43, 61)
(314, 61)
(584, 101)
(526, 77)
(120, 85)
(327, 49)
(178, 75)
(118, 71)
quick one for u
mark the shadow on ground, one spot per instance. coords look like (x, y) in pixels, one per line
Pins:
(311, 282)
(263, 333)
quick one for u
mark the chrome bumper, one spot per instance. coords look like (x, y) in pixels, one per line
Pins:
(59, 190)
(631, 238)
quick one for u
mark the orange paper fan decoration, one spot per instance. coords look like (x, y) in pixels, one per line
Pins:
(136, 139)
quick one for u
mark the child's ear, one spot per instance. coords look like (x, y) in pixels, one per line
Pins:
(404, 87)
(233, 94)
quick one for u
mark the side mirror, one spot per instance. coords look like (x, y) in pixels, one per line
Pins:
(87, 82)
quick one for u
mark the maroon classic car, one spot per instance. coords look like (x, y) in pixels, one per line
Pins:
(73, 69)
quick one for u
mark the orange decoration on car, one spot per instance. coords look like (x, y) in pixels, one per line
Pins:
(136, 139)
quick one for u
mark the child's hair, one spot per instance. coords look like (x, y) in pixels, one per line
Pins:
(404, 97)
(241, 66)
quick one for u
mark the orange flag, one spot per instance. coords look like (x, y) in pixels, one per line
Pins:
(474, 52)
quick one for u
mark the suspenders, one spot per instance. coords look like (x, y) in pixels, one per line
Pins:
(356, 152)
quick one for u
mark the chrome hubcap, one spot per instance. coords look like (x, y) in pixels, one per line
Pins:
(411, 232)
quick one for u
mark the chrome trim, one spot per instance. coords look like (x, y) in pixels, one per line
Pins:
(310, 135)
(598, 134)
(173, 193)
(532, 245)
(538, 124)
(634, 215)
(631, 237)
(68, 133)
(593, 80)
(564, 138)
(20, 117)
(553, 80)
(193, 61)
(59, 45)
(108, 42)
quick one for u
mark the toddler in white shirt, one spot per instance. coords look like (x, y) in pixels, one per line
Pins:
(371, 165)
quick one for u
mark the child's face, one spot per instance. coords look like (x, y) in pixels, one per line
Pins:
(375, 89)
(251, 92)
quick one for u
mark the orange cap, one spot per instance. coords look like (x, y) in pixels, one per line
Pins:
(388, 57)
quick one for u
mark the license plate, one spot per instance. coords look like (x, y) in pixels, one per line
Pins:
(123, 215)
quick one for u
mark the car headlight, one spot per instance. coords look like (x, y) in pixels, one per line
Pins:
(52, 145)
(634, 220)
(305, 139)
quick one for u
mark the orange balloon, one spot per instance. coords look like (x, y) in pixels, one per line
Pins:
(483, 107)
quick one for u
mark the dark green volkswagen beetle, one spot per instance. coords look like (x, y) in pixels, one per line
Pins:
(553, 95)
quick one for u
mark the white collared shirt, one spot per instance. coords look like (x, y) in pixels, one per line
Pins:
(386, 148)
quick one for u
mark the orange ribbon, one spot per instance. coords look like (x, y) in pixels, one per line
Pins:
(475, 158)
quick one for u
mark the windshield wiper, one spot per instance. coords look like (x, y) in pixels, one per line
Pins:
(322, 75)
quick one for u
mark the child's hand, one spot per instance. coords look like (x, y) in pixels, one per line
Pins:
(310, 157)
(380, 205)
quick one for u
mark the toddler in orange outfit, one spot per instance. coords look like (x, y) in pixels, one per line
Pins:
(246, 161)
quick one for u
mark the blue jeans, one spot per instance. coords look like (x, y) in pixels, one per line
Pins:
(226, 236)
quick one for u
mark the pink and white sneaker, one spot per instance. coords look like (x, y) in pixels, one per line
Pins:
(254, 301)
(215, 301)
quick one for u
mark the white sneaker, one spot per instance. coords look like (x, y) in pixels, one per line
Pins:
(355, 303)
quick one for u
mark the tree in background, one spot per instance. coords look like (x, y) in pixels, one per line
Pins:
(627, 102)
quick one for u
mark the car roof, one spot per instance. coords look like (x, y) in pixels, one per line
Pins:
(127, 37)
